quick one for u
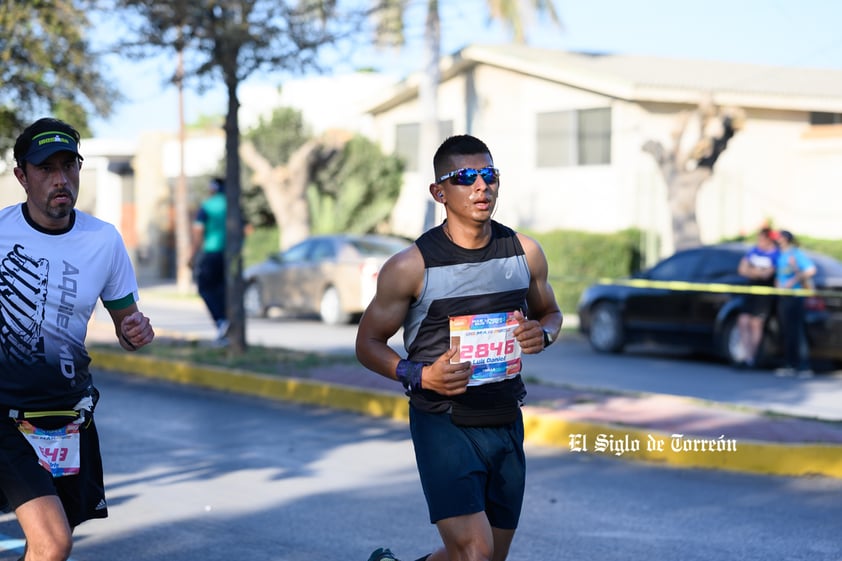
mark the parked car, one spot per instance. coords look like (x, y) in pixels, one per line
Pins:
(333, 276)
(692, 299)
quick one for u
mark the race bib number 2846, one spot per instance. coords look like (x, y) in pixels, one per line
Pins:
(488, 342)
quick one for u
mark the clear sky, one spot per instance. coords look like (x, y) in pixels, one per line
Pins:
(772, 32)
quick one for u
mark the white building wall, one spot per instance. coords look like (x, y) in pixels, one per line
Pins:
(772, 169)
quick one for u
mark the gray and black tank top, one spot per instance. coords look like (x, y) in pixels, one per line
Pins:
(457, 282)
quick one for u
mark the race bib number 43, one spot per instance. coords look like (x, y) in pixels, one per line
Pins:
(488, 342)
(58, 450)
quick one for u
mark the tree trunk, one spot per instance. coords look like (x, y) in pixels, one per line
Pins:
(233, 225)
(683, 184)
(183, 273)
(682, 191)
(285, 188)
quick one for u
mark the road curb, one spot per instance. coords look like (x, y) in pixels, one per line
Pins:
(542, 426)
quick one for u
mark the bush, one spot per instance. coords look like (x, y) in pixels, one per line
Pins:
(578, 259)
(260, 244)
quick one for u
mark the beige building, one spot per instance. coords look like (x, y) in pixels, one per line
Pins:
(567, 132)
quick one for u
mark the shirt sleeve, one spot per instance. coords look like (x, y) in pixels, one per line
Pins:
(120, 290)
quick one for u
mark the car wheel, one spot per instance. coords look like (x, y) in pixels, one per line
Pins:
(606, 331)
(730, 343)
(330, 308)
(252, 302)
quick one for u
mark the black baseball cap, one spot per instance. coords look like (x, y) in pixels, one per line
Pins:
(47, 143)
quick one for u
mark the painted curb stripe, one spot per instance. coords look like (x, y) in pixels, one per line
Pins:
(749, 456)
(540, 427)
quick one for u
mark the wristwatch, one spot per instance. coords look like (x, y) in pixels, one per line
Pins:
(548, 338)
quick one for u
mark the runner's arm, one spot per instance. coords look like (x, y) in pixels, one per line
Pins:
(398, 283)
(544, 313)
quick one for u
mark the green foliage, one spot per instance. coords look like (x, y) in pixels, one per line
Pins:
(235, 39)
(352, 190)
(47, 67)
(279, 136)
(356, 190)
(260, 244)
(577, 259)
(276, 139)
(833, 248)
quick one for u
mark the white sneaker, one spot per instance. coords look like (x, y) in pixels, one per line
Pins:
(785, 372)
(220, 342)
(805, 374)
(222, 327)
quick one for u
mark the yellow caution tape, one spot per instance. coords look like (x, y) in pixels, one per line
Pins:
(718, 287)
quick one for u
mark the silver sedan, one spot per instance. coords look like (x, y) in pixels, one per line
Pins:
(333, 276)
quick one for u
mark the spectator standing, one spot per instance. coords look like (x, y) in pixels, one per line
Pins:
(208, 256)
(56, 263)
(757, 265)
(466, 423)
(795, 270)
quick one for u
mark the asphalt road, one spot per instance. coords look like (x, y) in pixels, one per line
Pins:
(197, 475)
(568, 361)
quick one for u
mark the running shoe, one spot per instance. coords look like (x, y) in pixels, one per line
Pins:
(382, 554)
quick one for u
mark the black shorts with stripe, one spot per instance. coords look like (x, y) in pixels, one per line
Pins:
(22, 478)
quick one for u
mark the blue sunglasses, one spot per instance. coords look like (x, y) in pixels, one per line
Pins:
(468, 176)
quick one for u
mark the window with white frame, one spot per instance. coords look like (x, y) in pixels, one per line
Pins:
(408, 138)
(578, 137)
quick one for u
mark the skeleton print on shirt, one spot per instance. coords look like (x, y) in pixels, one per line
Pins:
(23, 291)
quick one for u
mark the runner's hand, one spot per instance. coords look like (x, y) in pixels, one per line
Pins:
(529, 334)
(447, 378)
(137, 330)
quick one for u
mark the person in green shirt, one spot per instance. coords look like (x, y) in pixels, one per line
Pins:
(208, 255)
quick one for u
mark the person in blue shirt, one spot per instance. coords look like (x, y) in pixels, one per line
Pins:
(795, 270)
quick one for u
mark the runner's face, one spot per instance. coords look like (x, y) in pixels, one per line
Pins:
(475, 201)
(51, 189)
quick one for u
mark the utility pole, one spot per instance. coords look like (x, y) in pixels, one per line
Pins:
(182, 220)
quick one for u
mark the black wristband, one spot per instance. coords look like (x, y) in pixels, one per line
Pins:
(408, 373)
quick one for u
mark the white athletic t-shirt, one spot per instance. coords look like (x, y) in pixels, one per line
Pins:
(49, 286)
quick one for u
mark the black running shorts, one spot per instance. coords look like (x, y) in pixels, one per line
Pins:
(465, 470)
(22, 478)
